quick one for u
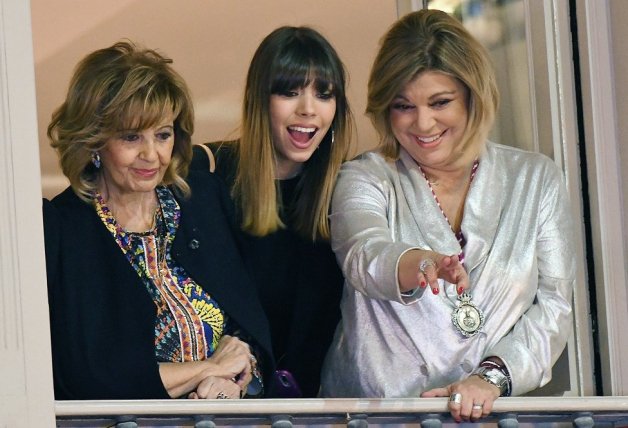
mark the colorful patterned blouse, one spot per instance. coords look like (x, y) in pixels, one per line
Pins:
(189, 323)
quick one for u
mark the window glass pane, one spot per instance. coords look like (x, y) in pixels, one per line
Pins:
(500, 26)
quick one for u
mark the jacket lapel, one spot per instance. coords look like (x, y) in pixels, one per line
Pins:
(434, 230)
(483, 208)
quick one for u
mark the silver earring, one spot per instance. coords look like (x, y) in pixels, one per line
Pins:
(96, 160)
(333, 137)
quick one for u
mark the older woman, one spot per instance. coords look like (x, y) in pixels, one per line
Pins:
(148, 294)
(438, 188)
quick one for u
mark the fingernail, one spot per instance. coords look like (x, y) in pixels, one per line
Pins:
(460, 290)
(423, 284)
(435, 290)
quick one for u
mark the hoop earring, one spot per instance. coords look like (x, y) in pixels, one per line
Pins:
(96, 160)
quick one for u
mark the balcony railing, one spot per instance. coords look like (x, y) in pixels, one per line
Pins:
(353, 413)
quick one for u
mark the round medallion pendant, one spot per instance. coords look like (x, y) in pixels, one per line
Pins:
(467, 318)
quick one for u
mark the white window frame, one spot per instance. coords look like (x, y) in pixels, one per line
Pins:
(26, 391)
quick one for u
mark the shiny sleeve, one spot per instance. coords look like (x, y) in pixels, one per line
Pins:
(538, 338)
(362, 222)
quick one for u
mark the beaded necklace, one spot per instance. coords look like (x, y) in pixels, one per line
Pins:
(466, 316)
(459, 235)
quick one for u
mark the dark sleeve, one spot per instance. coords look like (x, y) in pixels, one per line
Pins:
(102, 320)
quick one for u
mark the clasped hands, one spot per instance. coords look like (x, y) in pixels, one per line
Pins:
(233, 367)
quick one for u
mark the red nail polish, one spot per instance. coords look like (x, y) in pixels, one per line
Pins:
(460, 290)
(423, 284)
(435, 290)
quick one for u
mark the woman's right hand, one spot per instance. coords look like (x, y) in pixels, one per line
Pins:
(216, 387)
(234, 360)
(448, 268)
(423, 268)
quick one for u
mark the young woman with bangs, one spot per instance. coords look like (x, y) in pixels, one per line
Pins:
(295, 133)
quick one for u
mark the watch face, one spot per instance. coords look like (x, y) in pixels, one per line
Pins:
(495, 377)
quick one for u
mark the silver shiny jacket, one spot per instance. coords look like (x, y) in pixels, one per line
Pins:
(519, 256)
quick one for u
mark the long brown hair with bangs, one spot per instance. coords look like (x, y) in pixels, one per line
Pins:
(290, 58)
(120, 88)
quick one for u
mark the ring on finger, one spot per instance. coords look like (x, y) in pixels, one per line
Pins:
(478, 406)
(425, 263)
(456, 398)
(221, 396)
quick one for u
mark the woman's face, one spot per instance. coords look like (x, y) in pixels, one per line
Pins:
(300, 118)
(428, 118)
(136, 161)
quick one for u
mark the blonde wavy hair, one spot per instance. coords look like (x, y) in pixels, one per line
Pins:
(431, 40)
(289, 58)
(122, 87)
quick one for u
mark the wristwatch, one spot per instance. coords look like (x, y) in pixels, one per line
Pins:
(493, 376)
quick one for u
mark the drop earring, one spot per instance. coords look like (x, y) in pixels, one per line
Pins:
(333, 137)
(96, 160)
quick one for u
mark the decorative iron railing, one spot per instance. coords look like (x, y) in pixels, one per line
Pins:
(353, 413)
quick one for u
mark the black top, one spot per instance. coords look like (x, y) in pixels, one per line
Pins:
(102, 317)
(300, 283)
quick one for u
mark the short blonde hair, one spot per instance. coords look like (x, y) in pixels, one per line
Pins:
(431, 40)
(120, 88)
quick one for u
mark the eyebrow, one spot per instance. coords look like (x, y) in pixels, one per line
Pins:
(157, 127)
(438, 94)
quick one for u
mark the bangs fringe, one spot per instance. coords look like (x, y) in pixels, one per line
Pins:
(142, 104)
(300, 66)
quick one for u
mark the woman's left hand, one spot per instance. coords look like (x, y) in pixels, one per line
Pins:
(235, 360)
(476, 401)
(216, 387)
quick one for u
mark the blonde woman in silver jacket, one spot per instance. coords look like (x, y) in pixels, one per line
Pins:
(456, 251)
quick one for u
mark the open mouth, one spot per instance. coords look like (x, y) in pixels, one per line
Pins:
(300, 134)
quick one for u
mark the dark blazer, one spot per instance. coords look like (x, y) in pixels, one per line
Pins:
(102, 317)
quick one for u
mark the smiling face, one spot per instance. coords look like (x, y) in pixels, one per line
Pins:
(300, 119)
(428, 118)
(136, 161)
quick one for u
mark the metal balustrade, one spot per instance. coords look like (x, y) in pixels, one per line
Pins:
(582, 412)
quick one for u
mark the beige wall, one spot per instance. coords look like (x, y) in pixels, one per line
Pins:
(211, 43)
